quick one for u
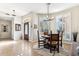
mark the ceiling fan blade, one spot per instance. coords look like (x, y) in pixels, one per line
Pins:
(7, 13)
(13, 15)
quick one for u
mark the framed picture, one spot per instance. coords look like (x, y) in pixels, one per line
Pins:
(18, 27)
(4, 28)
(35, 26)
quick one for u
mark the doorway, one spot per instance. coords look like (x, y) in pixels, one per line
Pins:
(26, 31)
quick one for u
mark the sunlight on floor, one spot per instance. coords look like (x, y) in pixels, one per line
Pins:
(14, 48)
(7, 43)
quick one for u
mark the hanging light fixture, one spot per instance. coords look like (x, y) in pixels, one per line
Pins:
(48, 13)
(48, 5)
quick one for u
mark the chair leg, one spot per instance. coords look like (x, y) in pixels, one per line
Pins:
(61, 42)
(50, 49)
(58, 49)
(38, 45)
(54, 51)
(44, 44)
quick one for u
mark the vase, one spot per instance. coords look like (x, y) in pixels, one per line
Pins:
(75, 36)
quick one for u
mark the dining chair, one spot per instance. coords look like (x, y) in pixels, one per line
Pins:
(41, 40)
(54, 43)
(60, 38)
(45, 33)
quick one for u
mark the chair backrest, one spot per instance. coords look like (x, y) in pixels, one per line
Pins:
(38, 35)
(54, 38)
(45, 33)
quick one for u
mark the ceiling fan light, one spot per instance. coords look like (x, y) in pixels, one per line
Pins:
(13, 15)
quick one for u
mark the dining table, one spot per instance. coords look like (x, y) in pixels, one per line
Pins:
(46, 39)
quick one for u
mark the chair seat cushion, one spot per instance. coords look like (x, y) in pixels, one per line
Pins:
(41, 39)
(53, 43)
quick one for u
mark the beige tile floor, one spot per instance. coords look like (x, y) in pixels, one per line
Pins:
(24, 48)
(14, 48)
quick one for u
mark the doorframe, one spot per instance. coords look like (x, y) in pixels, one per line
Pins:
(26, 23)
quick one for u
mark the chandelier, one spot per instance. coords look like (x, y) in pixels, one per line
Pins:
(48, 13)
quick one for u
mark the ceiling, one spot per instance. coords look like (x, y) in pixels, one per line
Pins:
(24, 8)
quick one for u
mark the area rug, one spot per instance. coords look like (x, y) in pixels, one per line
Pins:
(45, 52)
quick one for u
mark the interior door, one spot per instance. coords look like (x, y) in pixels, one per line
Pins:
(26, 31)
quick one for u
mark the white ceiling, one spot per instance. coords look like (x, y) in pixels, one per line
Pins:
(24, 8)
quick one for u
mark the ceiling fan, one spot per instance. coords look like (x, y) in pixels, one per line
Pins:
(13, 13)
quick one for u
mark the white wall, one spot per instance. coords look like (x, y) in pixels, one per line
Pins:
(27, 18)
(5, 34)
(75, 21)
(13, 28)
(72, 19)
(32, 18)
(35, 22)
(17, 34)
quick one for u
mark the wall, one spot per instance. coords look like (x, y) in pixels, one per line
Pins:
(32, 18)
(73, 21)
(5, 34)
(71, 17)
(16, 34)
(13, 28)
(27, 18)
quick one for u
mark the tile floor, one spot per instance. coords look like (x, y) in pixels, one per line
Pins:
(24, 48)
